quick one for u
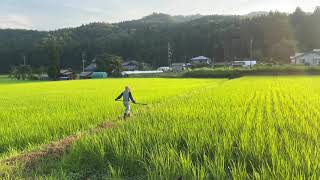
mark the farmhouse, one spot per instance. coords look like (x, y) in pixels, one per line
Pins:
(130, 65)
(67, 74)
(200, 61)
(311, 58)
(91, 67)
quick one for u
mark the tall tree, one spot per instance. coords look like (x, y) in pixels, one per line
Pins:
(53, 47)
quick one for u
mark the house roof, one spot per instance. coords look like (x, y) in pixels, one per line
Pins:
(91, 67)
(66, 72)
(85, 74)
(315, 51)
(200, 58)
(130, 63)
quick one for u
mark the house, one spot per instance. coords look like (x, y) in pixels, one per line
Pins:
(67, 74)
(178, 67)
(200, 61)
(130, 65)
(311, 58)
(245, 63)
(91, 67)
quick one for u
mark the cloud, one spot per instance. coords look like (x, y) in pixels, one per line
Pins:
(91, 10)
(15, 22)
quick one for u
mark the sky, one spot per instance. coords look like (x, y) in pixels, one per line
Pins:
(56, 14)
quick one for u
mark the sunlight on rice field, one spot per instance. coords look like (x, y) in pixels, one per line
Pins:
(37, 113)
(255, 127)
(247, 128)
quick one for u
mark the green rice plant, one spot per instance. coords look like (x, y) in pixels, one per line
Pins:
(33, 113)
(247, 128)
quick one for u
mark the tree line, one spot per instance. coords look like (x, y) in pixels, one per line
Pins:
(269, 38)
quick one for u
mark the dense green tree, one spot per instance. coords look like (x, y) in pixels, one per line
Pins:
(283, 50)
(109, 63)
(21, 72)
(53, 46)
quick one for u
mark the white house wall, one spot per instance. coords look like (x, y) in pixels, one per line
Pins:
(311, 58)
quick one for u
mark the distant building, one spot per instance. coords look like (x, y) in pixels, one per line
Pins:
(127, 73)
(91, 72)
(130, 65)
(164, 69)
(85, 75)
(44, 77)
(93, 75)
(311, 58)
(178, 67)
(99, 75)
(200, 61)
(67, 74)
(91, 67)
(246, 63)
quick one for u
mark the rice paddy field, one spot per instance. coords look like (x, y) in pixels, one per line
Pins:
(246, 128)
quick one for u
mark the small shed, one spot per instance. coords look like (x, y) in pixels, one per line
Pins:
(99, 75)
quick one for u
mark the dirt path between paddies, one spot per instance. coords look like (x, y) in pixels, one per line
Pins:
(29, 160)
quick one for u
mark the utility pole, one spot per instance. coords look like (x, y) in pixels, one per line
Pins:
(251, 51)
(169, 55)
(83, 60)
(24, 59)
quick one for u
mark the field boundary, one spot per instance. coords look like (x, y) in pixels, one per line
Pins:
(54, 149)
